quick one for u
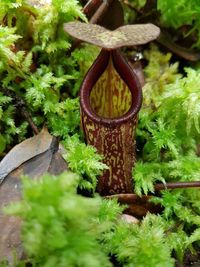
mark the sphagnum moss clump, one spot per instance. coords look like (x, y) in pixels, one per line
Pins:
(34, 68)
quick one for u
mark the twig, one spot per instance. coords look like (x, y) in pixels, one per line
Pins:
(130, 198)
(91, 7)
(159, 187)
(22, 106)
(166, 40)
(27, 116)
(102, 7)
(100, 11)
(131, 6)
(127, 198)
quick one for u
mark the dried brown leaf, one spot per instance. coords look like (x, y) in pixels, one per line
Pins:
(33, 157)
(24, 151)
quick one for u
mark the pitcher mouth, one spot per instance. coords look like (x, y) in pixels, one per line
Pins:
(126, 74)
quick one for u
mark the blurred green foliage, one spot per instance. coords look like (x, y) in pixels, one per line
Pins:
(60, 227)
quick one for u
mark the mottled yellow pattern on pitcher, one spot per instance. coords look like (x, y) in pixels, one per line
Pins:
(117, 146)
(110, 96)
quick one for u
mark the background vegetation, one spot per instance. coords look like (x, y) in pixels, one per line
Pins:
(40, 75)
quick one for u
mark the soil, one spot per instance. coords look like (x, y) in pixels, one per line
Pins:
(190, 260)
